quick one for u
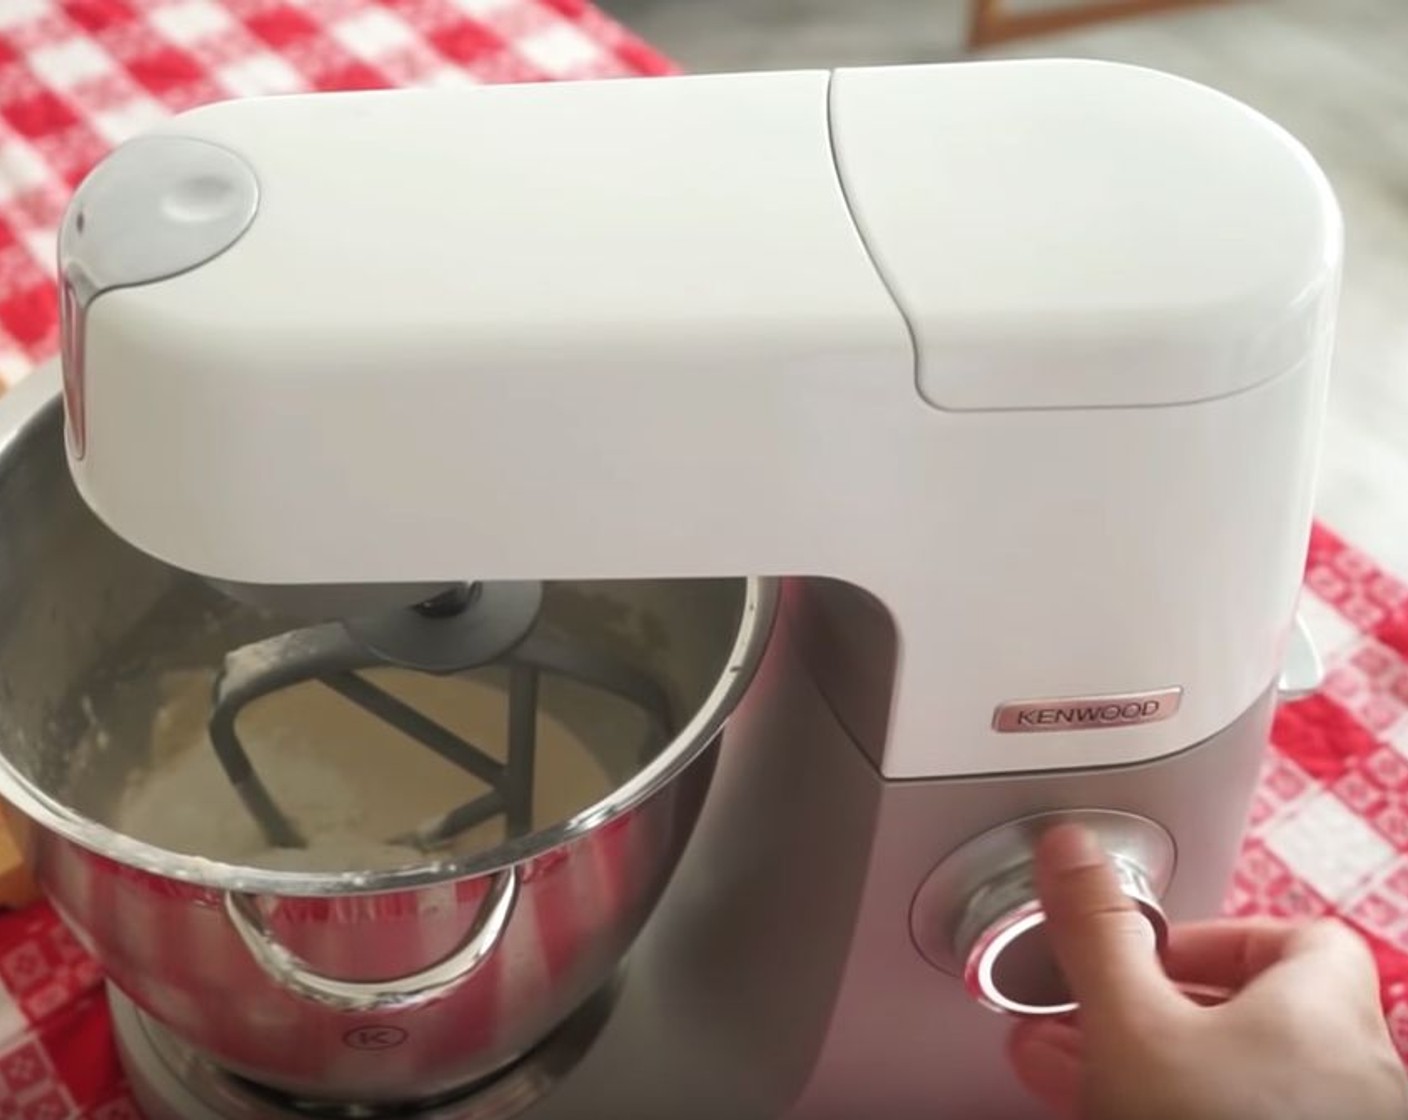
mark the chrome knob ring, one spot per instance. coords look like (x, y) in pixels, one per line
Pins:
(977, 915)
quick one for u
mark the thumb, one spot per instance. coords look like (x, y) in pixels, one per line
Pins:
(1100, 938)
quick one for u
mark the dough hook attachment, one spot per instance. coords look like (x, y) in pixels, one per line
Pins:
(466, 627)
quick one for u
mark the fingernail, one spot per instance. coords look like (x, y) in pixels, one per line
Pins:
(1070, 847)
(1149, 935)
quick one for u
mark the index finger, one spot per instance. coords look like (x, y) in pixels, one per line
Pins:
(1235, 952)
(1227, 952)
(1101, 939)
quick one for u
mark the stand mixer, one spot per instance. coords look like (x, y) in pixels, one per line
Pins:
(1006, 377)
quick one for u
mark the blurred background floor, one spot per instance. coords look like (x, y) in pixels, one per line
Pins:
(1334, 72)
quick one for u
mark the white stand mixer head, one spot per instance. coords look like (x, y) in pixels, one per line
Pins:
(916, 328)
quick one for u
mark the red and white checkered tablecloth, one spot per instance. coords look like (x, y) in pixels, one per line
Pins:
(1330, 823)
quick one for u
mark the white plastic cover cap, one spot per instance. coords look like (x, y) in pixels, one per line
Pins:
(1052, 247)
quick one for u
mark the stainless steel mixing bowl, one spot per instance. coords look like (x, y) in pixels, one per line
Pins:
(386, 986)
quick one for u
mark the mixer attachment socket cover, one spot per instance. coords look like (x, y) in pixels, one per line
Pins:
(155, 207)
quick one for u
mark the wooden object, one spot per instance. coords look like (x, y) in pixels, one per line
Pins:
(17, 886)
(994, 21)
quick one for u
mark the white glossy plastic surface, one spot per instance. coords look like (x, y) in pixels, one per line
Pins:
(630, 329)
(1130, 237)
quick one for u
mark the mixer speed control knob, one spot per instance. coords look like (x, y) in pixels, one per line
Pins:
(977, 915)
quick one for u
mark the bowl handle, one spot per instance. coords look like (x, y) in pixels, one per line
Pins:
(400, 994)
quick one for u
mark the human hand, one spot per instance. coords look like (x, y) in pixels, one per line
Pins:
(1300, 1035)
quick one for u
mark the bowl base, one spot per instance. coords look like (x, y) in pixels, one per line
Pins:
(171, 1081)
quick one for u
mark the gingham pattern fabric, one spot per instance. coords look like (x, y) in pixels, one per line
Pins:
(1330, 824)
(1329, 828)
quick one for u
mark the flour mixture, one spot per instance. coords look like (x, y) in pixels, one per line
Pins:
(347, 780)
